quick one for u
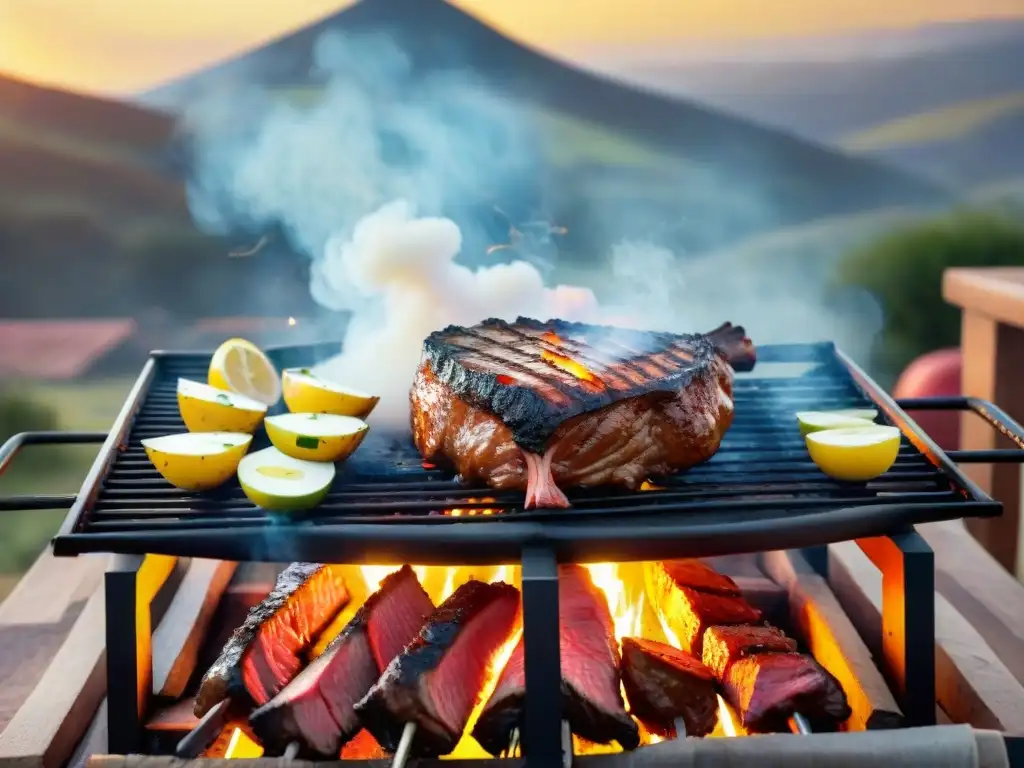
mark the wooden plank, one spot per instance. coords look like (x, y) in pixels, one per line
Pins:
(972, 684)
(764, 594)
(50, 587)
(183, 628)
(821, 621)
(993, 369)
(95, 740)
(59, 710)
(981, 590)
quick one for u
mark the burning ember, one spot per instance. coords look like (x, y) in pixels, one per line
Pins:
(564, 362)
(472, 511)
(641, 618)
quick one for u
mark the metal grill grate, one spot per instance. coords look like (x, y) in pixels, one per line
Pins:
(761, 491)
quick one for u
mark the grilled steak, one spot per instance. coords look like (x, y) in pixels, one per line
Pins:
(663, 683)
(264, 654)
(543, 406)
(316, 709)
(692, 573)
(756, 665)
(589, 654)
(436, 681)
(688, 612)
(725, 645)
(768, 688)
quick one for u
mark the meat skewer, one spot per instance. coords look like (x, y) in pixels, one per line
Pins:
(567, 755)
(314, 714)
(266, 652)
(669, 691)
(761, 673)
(542, 406)
(589, 657)
(799, 724)
(423, 699)
(196, 741)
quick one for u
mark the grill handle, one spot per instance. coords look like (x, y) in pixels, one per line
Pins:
(13, 446)
(991, 413)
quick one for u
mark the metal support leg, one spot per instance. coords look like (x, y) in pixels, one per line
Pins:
(907, 564)
(542, 720)
(817, 558)
(131, 583)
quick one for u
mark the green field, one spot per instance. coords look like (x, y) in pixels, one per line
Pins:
(948, 123)
(53, 470)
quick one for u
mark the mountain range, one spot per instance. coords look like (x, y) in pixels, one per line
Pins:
(943, 101)
(696, 175)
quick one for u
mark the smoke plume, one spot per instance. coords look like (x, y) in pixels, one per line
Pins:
(362, 174)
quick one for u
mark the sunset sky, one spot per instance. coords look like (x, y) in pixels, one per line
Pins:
(124, 46)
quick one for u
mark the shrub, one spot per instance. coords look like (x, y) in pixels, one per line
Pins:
(19, 412)
(903, 271)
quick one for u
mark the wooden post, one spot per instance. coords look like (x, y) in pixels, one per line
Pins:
(992, 344)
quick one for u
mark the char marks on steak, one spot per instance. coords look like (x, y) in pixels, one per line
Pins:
(766, 689)
(265, 653)
(436, 681)
(316, 709)
(662, 683)
(725, 645)
(687, 611)
(589, 654)
(542, 406)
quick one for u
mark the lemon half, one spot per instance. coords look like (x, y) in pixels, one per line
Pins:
(306, 392)
(273, 480)
(857, 454)
(316, 436)
(197, 461)
(814, 421)
(240, 366)
(208, 409)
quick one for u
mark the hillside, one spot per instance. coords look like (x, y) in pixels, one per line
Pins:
(90, 225)
(944, 102)
(704, 165)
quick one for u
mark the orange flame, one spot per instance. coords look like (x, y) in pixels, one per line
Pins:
(727, 720)
(241, 746)
(621, 583)
(472, 512)
(570, 366)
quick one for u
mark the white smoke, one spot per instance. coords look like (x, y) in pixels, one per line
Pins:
(359, 177)
(403, 270)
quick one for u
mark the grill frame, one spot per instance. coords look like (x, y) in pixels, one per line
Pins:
(644, 527)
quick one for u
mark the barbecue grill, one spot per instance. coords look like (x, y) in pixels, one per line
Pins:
(760, 492)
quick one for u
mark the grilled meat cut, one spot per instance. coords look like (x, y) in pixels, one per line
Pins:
(766, 689)
(316, 709)
(436, 681)
(589, 657)
(687, 611)
(761, 675)
(695, 574)
(662, 683)
(265, 653)
(725, 645)
(541, 406)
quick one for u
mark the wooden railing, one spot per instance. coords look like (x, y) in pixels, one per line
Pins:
(992, 343)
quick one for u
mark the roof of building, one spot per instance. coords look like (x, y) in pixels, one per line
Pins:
(58, 349)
